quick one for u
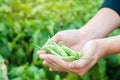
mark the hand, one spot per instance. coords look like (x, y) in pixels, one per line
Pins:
(91, 53)
(73, 39)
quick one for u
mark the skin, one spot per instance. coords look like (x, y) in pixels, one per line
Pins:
(87, 41)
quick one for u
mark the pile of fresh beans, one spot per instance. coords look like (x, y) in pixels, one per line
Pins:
(61, 51)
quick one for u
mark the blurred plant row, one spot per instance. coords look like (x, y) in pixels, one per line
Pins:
(27, 22)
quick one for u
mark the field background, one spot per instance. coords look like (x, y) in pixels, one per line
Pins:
(25, 22)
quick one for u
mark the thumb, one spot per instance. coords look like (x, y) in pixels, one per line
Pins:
(56, 38)
(88, 55)
(78, 64)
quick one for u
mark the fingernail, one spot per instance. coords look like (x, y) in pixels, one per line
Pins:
(50, 69)
(41, 56)
(38, 52)
(44, 62)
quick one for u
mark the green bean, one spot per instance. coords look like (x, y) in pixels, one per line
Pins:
(78, 55)
(58, 50)
(68, 58)
(51, 42)
(61, 51)
(69, 51)
(52, 52)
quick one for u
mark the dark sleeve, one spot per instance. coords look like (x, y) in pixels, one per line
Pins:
(113, 4)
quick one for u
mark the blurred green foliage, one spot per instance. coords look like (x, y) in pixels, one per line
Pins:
(25, 22)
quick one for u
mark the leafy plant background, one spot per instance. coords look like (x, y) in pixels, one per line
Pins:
(25, 22)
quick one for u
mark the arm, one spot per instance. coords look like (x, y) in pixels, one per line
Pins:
(111, 44)
(105, 21)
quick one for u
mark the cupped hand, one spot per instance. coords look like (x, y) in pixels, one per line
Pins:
(73, 39)
(91, 53)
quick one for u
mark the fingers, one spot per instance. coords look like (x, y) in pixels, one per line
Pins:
(45, 62)
(41, 52)
(85, 69)
(52, 67)
(89, 48)
(88, 59)
(56, 62)
(79, 64)
(83, 62)
(79, 67)
(88, 51)
(56, 38)
(52, 59)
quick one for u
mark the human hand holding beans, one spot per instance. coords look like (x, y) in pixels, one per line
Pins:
(74, 41)
(98, 27)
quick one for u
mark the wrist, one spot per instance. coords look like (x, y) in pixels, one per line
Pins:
(112, 45)
(108, 46)
(90, 33)
(101, 48)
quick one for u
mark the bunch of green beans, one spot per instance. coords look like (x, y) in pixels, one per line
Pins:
(61, 51)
